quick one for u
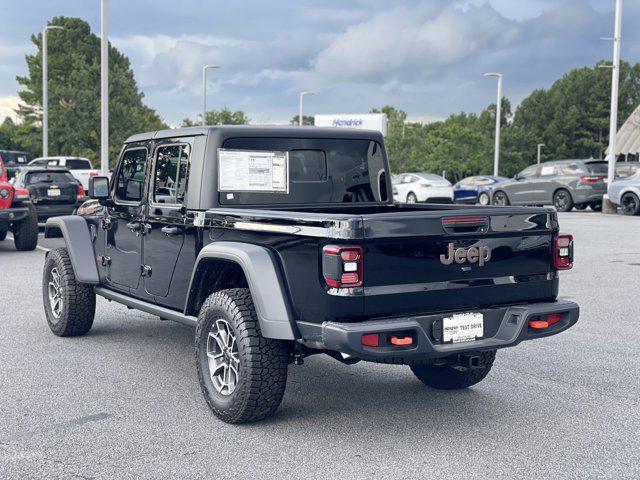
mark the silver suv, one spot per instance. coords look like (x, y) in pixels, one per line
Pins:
(565, 184)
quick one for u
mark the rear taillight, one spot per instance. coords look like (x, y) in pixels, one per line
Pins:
(80, 191)
(21, 195)
(563, 251)
(342, 266)
(93, 174)
(591, 178)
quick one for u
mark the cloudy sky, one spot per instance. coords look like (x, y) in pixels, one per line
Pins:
(424, 56)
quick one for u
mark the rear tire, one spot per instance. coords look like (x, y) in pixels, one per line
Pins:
(68, 305)
(630, 204)
(500, 198)
(411, 198)
(484, 199)
(3, 233)
(596, 207)
(242, 374)
(445, 377)
(562, 200)
(25, 232)
(580, 206)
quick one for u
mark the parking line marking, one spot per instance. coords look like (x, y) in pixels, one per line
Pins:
(10, 237)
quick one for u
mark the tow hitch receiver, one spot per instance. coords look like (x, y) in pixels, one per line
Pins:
(466, 361)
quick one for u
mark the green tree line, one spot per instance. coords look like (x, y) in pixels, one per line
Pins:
(571, 117)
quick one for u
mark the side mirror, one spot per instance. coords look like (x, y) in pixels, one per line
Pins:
(517, 177)
(99, 188)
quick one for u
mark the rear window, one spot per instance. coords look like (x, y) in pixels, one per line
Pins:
(48, 177)
(597, 167)
(78, 164)
(320, 171)
(15, 158)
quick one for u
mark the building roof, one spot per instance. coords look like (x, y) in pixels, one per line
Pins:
(628, 139)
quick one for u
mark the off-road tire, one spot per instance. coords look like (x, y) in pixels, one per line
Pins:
(3, 233)
(25, 232)
(78, 299)
(562, 200)
(263, 362)
(446, 377)
(500, 198)
(596, 206)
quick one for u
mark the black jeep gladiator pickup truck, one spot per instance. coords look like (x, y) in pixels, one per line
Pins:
(278, 243)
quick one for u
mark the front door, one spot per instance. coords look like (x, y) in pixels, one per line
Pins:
(125, 226)
(165, 221)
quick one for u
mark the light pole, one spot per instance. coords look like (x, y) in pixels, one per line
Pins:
(496, 157)
(204, 91)
(104, 88)
(540, 145)
(300, 117)
(607, 207)
(45, 89)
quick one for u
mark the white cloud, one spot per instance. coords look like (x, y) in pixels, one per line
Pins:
(8, 105)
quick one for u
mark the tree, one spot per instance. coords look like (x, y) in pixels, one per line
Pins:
(306, 120)
(225, 116)
(74, 95)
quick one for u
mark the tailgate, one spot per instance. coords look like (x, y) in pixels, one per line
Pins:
(420, 262)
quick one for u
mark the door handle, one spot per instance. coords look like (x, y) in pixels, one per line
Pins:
(170, 231)
(134, 226)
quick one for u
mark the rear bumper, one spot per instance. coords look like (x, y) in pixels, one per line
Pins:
(13, 214)
(587, 195)
(504, 327)
(47, 210)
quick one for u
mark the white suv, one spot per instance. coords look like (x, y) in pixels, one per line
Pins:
(421, 187)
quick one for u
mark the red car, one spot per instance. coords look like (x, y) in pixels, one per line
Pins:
(17, 214)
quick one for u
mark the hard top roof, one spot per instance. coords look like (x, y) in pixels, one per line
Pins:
(260, 131)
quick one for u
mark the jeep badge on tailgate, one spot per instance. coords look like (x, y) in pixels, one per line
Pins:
(481, 255)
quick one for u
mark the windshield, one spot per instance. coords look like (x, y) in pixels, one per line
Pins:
(320, 171)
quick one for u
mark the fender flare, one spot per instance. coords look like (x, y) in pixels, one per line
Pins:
(265, 282)
(75, 231)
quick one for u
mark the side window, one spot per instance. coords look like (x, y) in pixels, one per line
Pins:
(407, 179)
(529, 172)
(548, 171)
(130, 180)
(170, 177)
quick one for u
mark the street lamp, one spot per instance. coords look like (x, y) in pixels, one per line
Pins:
(45, 89)
(496, 158)
(204, 93)
(607, 206)
(104, 88)
(540, 145)
(300, 117)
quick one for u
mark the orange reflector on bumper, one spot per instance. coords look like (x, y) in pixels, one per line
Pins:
(538, 324)
(401, 340)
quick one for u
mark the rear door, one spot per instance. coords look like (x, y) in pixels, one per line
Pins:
(410, 265)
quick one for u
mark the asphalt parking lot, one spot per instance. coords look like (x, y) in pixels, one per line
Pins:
(124, 401)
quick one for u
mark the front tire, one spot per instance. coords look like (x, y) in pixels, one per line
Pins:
(630, 204)
(25, 232)
(242, 374)
(562, 200)
(445, 377)
(3, 233)
(500, 198)
(68, 304)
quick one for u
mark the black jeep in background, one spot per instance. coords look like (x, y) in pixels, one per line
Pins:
(280, 243)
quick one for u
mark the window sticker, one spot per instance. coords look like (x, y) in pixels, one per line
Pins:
(253, 171)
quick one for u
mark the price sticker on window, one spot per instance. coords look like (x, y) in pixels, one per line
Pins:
(253, 171)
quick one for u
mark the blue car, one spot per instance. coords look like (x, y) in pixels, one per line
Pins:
(476, 189)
